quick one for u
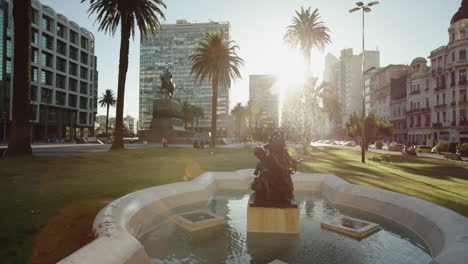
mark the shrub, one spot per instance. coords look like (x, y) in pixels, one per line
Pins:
(442, 146)
(379, 144)
(463, 149)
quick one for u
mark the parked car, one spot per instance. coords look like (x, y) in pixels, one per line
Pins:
(423, 149)
(372, 146)
(131, 140)
(87, 140)
(396, 147)
(350, 144)
(410, 150)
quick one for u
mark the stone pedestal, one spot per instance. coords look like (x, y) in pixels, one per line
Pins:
(199, 225)
(272, 220)
(351, 227)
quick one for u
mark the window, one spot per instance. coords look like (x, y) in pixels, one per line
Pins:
(34, 75)
(84, 58)
(83, 102)
(453, 56)
(60, 98)
(46, 96)
(454, 115)
(72, 84)
(72, 100)
(46, 77)
(72, 69)
(47, 42)
(47, 60)
(35, 56)
(35, 37)
(60, 81)
(437, 99)
(462, 34)
(462, 54)
(73, 53)
(445, 117)
(438, 117)
(83, 88)
(84, 43)
(60, 30)
(462, 76)
(83, 73)
(463, 115)
(61, 64)
(61, 48)
(83, 118)
(46, 23)
(427, 102)
(453, 36)
(73, 37)
(443, 98)
(35, 16)
(452, 77)
(33, 93)
(428, 119)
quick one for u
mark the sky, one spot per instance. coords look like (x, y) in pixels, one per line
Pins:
(400, 29)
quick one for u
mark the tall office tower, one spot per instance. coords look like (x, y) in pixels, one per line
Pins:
(170, 49)
(64, 75)
(5, 72)
(265, 94)
(351, 83)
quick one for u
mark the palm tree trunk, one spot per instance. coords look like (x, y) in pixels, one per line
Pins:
(123, 67)
(214, 111)
(20, 136)
(107, 119)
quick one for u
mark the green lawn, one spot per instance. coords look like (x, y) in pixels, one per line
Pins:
(49, 203)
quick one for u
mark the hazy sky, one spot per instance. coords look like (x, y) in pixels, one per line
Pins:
(400, 29)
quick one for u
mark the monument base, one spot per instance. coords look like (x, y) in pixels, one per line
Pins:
(272, 220)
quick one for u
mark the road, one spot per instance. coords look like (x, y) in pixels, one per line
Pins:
(69, 149)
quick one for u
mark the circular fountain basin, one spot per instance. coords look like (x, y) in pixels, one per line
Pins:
(137, 228)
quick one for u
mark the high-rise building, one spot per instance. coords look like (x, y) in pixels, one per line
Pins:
(350, 83)
(5, 72)
(170, 49)
(130, 124)
(265, 94)
(64, 75)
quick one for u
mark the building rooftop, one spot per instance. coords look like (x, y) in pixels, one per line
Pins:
(462, 13)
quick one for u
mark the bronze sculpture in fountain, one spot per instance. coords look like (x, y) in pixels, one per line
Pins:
(273, 186)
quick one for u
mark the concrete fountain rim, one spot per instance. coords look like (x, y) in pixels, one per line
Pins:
(122, 222)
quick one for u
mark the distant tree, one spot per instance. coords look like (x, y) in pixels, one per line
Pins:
(215, 59)
(374, 126)
(187, 113)
(198, 113)
(238, 112)
(107, 100)
(331, 104)
(20, 137)
(133, 15)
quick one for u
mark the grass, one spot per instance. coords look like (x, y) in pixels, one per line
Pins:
(49, 203)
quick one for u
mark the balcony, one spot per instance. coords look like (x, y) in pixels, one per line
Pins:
(425, 110)
(454, 123)
(415, 92)
(437, 125)
(452, 84)
(462, 83)
(453, 104)
(440, 88)
(463, 103)
(441, 106)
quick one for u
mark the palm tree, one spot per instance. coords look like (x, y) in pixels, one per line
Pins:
(187, 113)
(215, 59)
(198, 113)
(20, 136)
(132, 15)
(307, 32)
(107, 100)
(239, 112)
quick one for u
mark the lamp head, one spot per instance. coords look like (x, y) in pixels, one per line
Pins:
(360, 4)
(367, 10)
(373, 3)
(354, 9)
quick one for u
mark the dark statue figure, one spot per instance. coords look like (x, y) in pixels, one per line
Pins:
(273, 186)
(167, 85)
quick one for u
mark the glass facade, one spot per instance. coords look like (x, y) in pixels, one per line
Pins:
(171, 49)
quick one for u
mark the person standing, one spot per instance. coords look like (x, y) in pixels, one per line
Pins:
(164, 142)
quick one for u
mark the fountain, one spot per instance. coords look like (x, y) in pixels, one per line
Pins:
(145, 226)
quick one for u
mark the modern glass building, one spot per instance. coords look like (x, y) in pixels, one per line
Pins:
(170, 49)
(64, 75)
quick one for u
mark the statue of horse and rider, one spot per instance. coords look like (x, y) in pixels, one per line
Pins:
(167, 85)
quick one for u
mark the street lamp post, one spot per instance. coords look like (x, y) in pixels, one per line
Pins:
(365, 9)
